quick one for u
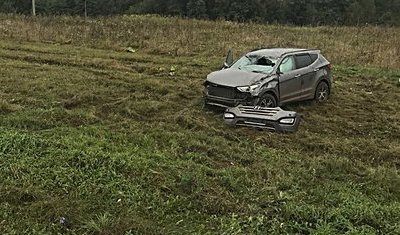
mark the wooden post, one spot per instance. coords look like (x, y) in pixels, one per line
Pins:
(33, 8)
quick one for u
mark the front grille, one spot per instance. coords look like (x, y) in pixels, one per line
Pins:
(258, 110)
(221, 91)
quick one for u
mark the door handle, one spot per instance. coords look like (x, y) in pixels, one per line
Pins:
(297, 76)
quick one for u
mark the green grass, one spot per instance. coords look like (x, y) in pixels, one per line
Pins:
(119, 143)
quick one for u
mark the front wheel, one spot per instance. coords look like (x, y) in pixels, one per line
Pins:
(267, 101)
(322, 92)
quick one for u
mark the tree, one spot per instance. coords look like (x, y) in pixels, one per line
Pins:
(7, 6)
(298, 12)
(15, 6)
(368, 11)
(196, 9)
(354, 13)
(217, 9)
(362, 11)
(175, 7)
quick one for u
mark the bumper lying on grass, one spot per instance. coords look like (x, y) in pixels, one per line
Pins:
(273, 119)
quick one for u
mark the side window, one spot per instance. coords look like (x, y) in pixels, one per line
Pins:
(303, 60)
(287, 65)
(314, 57)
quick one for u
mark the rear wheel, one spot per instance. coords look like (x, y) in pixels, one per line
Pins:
(267, 101)
(322, 92)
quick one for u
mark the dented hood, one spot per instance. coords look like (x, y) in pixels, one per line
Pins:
(234, 77)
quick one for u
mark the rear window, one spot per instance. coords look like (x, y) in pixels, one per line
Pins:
(303, 60)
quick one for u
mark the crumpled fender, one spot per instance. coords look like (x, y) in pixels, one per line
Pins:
(270, 85)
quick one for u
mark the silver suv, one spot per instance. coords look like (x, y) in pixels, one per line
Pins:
(270, 78)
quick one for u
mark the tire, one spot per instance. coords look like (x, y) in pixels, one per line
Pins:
(322, 92)
(267, 100)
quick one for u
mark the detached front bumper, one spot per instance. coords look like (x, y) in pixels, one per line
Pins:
(273, 119)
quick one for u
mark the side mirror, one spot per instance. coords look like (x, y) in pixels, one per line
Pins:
(228, 59)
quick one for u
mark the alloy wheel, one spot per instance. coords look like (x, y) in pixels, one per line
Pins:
(267, 101)
(322, 92)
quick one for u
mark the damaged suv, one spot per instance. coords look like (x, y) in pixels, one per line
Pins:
(270, 78)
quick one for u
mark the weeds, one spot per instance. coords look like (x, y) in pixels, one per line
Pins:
(370, 45)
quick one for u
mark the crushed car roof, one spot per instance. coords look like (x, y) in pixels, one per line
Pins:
(276, 52)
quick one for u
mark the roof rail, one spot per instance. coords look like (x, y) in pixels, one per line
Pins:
(289, 52)
(302, 50)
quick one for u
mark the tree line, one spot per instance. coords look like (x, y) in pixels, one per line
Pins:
(297, 12)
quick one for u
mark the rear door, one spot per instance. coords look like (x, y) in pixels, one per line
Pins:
(289, 80)
(303, 62)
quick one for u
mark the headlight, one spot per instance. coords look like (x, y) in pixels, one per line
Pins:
(248, 88)
(243, 88)
(287, 121)
(229, 116)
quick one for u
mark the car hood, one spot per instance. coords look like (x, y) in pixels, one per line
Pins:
(234, 77)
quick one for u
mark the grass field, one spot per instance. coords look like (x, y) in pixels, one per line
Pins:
(119, 142)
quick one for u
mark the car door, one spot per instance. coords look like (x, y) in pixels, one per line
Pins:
(289, 80)
(303, 62)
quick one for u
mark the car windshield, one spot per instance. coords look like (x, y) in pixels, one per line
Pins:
(255, 64)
